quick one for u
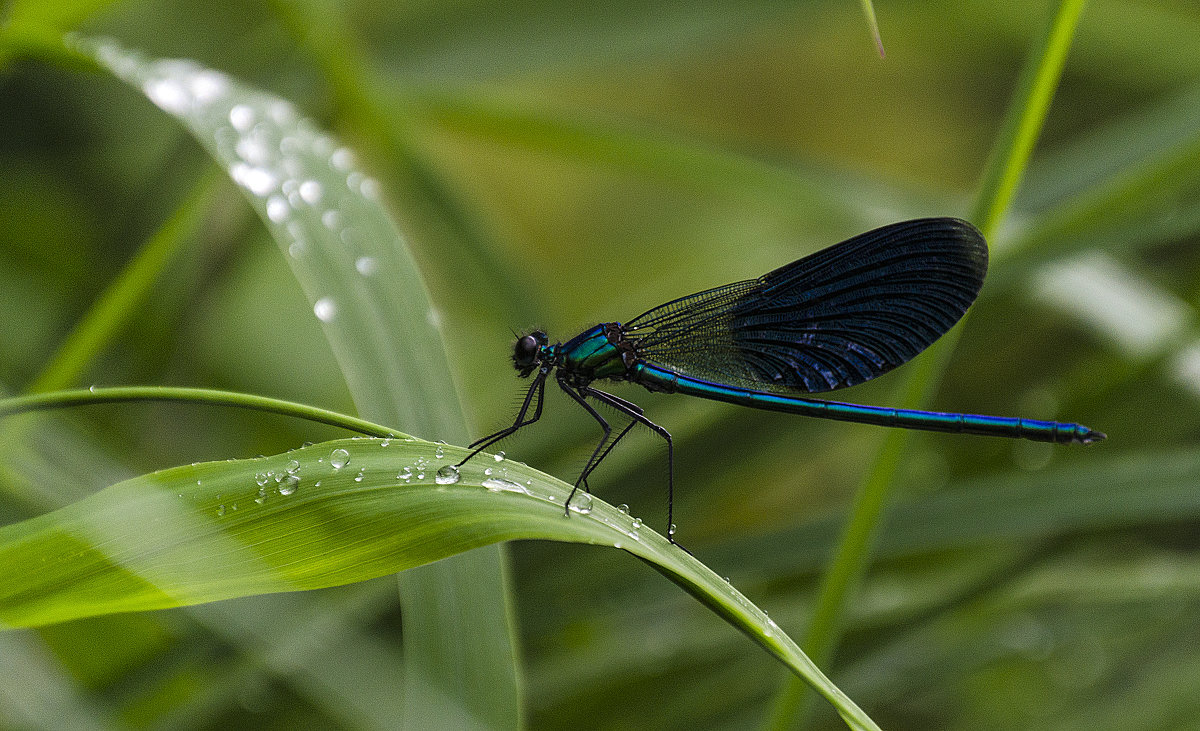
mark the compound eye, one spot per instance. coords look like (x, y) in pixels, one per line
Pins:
(526, 350)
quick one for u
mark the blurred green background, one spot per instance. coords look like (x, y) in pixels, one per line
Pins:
(555, 164)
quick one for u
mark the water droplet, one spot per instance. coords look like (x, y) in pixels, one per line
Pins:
(261, 478)
(208, 85)
(325, 309)
(288, 486)
(365, 265)
(278, 209)
(252, 150)
(581, 503)
(359, 476)
(370, 188)
(623, 509)
(292, 467)
(241, 117)
(405, 474)
(221, 510)
(339, 458)
(494, 485)
(169, 95)
(282, 112)
(342, 159)
(386, 442)
(498, 456)
(447, 475)
(262, 496)
(311, 192)
(439, 452)
(487, 471)
(317, 484)
(671, 530)
(637, 523)
(92, 388)
(332, 220)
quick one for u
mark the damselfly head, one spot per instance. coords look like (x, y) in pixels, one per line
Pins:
(527, 353)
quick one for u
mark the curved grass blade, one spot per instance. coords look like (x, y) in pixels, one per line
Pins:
(327, 217)
(1006, 166)
(324, 515)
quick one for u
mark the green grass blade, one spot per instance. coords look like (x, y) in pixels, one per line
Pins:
(1009, 158)
(120, 300)
(126, 394)
(1024, 119)
(327, 217)
(869, 12)
(324, 515)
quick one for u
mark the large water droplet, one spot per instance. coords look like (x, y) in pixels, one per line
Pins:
(498, 456)
(289, 485)
(447, 475)
(581, 503)
(339, 458)
(261, 478)
(497, 485)
(325, 309)
(292, 467)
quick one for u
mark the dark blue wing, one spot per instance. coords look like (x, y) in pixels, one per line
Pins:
(833, 319)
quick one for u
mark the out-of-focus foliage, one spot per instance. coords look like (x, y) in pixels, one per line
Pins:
(556, 164)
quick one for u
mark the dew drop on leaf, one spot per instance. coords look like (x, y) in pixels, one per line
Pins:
(339, 458)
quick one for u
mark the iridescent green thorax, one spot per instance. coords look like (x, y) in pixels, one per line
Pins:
(600, 352)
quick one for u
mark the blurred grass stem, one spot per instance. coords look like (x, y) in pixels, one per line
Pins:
(1010, 156)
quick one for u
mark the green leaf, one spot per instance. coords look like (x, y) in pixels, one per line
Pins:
(324, 515)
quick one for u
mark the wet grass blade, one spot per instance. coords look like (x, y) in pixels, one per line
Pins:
(325, 515)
